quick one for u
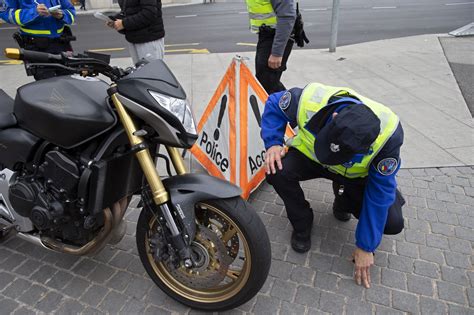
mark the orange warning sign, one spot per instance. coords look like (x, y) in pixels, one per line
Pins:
(252, 148)
(229, 144)
(216, 145)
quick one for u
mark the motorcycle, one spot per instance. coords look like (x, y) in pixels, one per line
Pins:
(75, 149)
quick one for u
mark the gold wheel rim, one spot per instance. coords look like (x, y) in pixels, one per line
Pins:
(217, 294)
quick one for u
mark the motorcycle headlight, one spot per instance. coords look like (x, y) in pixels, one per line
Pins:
(179, 108)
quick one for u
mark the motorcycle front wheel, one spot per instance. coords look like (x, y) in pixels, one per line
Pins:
(231, 251)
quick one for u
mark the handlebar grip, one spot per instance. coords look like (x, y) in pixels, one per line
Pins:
(41, 57)
(32, 56)
(12, 53)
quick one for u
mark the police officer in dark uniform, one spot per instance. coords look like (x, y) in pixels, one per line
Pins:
(349, 139)
(43, 27)
(273, 20)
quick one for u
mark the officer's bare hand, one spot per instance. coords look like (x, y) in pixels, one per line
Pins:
(118, 25)
(274, 62)
(362, 260)
(272, 156)
(42, 10)
(58, 14)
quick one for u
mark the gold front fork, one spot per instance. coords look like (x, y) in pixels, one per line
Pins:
(177, 160)
(160, 195)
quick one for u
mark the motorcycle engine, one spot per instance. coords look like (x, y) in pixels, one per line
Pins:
(48, 196)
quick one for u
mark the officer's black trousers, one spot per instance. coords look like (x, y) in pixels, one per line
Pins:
(297, 167)
(269, 78)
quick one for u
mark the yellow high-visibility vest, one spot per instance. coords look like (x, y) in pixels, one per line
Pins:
(315, 96)
(260, 13)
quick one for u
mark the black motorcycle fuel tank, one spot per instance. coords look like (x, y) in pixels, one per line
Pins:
(66, 111)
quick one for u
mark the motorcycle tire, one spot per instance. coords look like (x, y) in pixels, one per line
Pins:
(231, 243)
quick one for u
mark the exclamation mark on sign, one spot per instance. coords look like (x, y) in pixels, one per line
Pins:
(255, 109)
(221, 115)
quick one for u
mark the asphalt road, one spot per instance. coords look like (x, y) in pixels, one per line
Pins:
(223, 27)
(459, 53)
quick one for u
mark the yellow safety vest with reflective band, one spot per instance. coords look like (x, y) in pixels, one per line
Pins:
(314, 97)
(260, 12)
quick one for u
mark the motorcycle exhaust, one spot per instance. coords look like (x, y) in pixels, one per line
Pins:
(120, 227)
(88, 248)
(113, 232)
(32, 239)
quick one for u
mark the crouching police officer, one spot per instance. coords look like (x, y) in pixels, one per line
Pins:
(41, 27)
(349, 139)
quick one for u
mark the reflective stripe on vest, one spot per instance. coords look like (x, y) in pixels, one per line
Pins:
(260, 13)
(71, 15)
(314, 97)
(17, 17)
(40, 32)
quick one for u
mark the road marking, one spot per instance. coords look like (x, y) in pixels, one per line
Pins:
(8, 28)
(316, 9)
(177, 45)
(459, 3)
(246, 44)
(377, 8)
(11, 62)
(191, 51)
(185, 16)
(243, 12)
(107, 49)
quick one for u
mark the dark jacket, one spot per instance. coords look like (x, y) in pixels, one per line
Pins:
(142, 19)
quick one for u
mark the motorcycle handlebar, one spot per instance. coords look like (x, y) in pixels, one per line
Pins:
(32, 56)
(79, 63)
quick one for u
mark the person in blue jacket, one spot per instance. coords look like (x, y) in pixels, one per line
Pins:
(41, 28)
(349, 139)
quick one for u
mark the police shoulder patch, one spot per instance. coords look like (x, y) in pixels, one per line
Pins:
(3, 6)
(285, 100)
(387, 166)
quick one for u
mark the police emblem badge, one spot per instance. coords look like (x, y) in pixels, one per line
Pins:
(387, 166)
(3, 5)
(285, 100)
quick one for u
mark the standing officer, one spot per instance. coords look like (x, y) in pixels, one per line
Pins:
(349, 139)
(273, 20)
(41, 28)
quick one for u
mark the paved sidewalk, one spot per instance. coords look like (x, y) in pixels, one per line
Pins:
(426, 269)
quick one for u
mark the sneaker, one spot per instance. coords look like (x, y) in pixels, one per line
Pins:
(340, 214)
(301, 241)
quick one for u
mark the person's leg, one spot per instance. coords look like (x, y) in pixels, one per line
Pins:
(286, 182)
(278, 72)
(270, 78)
(151, 50)
(264, 49)
(348, 196)
(352, 203)
(133, 53)
(160, 48)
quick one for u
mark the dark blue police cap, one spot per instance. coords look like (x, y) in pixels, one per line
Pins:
(351, 132)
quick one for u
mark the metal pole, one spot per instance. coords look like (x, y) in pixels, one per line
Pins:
(334, 25)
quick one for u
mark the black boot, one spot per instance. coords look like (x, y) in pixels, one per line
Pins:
(301, 241)
(339, 214)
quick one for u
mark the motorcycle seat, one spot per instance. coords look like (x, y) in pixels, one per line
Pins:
(7, 118)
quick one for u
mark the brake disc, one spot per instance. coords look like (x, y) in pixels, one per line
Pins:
(233, 243)
(213, 262)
